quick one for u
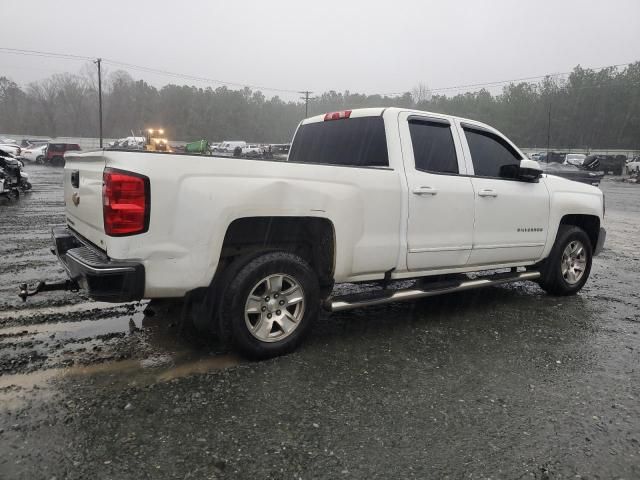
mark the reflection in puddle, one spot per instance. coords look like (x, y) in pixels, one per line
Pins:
(74, 330)
(60, 310)
(166, 355)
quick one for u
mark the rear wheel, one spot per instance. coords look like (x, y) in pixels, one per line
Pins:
(567, 268)
(269, 304)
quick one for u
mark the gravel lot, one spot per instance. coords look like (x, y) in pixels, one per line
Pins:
(501, 383)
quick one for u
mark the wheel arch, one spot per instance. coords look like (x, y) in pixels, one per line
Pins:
(313, 238)
(589, 223)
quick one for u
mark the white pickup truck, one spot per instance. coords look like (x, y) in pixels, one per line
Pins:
(255, 247)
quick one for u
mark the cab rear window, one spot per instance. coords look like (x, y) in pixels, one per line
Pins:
(353, 142)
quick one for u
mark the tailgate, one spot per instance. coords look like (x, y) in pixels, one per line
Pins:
(83, 194)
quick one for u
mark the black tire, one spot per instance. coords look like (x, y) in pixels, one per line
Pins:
(57, 161)
(239, 283)
(40, 159)
(552, 280)
(26, 186)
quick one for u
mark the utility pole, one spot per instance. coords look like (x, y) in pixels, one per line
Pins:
(99, 61)
(306, 102)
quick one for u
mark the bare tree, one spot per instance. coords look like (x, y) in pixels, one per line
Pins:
(421, 93)
(45, 93)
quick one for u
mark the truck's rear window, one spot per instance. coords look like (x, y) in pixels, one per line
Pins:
(355, 142)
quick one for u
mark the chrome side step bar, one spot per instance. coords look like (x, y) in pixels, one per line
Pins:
(380, 297)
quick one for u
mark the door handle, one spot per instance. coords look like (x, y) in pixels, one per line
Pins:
(425, 191)
(487, 192)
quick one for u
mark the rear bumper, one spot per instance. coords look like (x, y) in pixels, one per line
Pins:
(104, 279)
(601, 238)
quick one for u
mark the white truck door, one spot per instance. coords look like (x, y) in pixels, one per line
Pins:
(440, 203)
(511, 216)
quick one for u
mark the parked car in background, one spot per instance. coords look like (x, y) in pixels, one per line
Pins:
(229, 146)
(573, 172)
(252, 151)
(30, 143)
(613, 163)
(576, 159)
(54, 153)
(12, 177)
(12, 148)
(129, 143)
(34, 153)
(633, 166)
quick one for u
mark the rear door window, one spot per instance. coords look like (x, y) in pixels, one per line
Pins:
(433, 147)
(355, 142)
(491, 155)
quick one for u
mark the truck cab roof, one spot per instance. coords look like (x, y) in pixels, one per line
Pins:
(392, 111)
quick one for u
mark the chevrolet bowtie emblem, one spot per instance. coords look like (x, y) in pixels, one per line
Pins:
(75, 198)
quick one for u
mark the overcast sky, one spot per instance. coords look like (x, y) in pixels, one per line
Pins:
(357, 45)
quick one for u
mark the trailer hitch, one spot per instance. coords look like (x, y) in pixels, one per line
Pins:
(41, 286)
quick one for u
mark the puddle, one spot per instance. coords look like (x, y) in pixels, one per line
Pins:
(17, 314)
(74, 330)
(14, 389)
(161, 354)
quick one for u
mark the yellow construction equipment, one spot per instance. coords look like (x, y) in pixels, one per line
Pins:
(155, 141)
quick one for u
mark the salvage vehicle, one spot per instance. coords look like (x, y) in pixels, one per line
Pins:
(615, 164)
(12, 148)
(229, 146)
(129, 143)
(14, 179)
(576, 159)
(572, 172)
(374, 195)
(633, 166)
(54, 153)
(34, 153)
(7, 187)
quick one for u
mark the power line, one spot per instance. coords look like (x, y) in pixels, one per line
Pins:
(196, 78)
(502, 82)
(39, 53)
(497, 83)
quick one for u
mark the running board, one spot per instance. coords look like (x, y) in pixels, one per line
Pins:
(380, 297)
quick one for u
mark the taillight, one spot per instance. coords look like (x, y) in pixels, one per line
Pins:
(337, 115)
(125, 203)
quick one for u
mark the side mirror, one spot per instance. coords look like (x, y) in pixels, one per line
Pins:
(530, 170)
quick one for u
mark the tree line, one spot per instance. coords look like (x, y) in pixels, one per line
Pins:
(598, 109)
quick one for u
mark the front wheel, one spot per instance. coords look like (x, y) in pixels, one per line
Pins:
(270, 303)
(567, 268)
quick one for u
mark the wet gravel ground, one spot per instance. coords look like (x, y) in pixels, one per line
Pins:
(500, 383)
